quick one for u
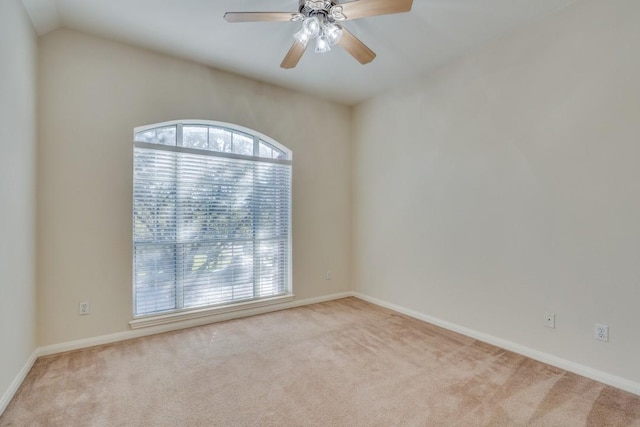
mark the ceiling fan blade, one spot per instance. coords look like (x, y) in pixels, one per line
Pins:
(355, 47)
(363, 8)
(258, 16)
(294, 55)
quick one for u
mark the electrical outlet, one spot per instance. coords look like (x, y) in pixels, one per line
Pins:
(550, 320)
(329, 275)
(601, 332)
(83, 308)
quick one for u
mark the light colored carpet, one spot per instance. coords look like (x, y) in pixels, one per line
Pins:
(341, 363)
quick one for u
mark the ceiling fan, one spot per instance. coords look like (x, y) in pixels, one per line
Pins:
(320, 21)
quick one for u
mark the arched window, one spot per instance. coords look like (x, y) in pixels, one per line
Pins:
(211, 216)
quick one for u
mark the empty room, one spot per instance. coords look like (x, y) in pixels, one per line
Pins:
(319, 213)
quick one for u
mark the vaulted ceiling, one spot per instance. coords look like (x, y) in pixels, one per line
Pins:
(408, 45)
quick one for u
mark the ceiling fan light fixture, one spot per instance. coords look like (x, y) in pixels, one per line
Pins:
(311, 26)
(326, 33)
(333, 33)
(322, 44)
(302, 36)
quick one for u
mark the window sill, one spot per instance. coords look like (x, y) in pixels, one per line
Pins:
(164, 319)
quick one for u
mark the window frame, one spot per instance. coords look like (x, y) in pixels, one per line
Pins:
(179, 314)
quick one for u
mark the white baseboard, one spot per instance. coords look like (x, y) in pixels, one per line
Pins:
(17, 382)
(158, 329)
(567, 365)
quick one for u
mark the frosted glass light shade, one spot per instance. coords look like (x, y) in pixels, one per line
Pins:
(333, 34)
(302, 36)
(322, 45)
(311, 26)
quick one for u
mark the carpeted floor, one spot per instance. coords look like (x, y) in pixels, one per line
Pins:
(341, 363)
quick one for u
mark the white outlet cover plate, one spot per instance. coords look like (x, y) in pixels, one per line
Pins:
(83, 308)
(550, 320)
(601, 332)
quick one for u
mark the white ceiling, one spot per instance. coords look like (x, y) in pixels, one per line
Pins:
(408, 45)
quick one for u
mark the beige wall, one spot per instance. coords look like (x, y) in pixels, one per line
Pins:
(93, 93)
(508, 183)
(18, 55)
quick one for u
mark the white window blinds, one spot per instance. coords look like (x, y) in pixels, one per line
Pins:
(211, 218)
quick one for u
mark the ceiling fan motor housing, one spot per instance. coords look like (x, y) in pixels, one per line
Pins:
(322, 8)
